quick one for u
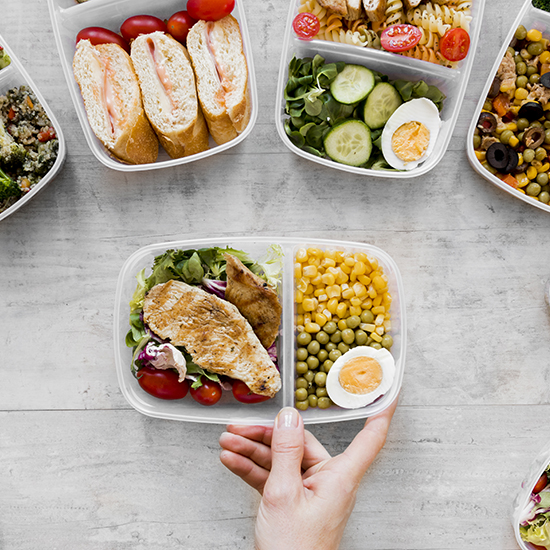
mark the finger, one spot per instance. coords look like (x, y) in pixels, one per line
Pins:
(246, 469)
(256, 433)
(287, 450)
(314, 452)
(368, 442)
(256, 451)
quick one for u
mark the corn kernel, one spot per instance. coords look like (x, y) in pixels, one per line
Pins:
(300, 328)
(515, 109)
(301, 255)
(312, 327)
(308, 304)
(328, 279)
(513, 142)
(328, 262)
(522, 178)
(367, 327)
(360, 290)
(387, 300)
(545, 57)
(341, 310)
(481, 155)
(332, 305)
(354, 310)
(352, 277)
(355, 301)
(342, 325)
(299, 297)
(310, 271)
(378, 283)
(299, 319)
(322, 298)
(307, 318)
(318, 292)
(348, 293)
(378, 309)
(520, 159)
(341, 278)
(299, 309)
(372, 292)
(345, 268)
(379, 330)
(367, 304)
(350, 261)
(521, 93)
(532, 172)
(506, 87)
(543, 168)
(315, 252)
(378, 300)
(314, 261)
(533, 35)
(327, 313)
(379, 320)
(334, 291)
(512, 126)
(376, 337)
(364, 280)
(387, 325)
(320, 319)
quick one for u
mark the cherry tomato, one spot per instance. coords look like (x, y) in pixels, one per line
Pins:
(99, 35)
(455, 44)
(541, 484)
(162, 383)
(399, 38)
(306, 25)
(179, 24)
(46, 135)
(208, 394)
(141, 24)
(242, 393)
(209, 10)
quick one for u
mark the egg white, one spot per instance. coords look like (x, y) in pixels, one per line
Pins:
(416, 110)
(347, 400)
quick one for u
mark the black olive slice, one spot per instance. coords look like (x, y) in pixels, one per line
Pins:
(497, 156)
(531, 111)
(533, 137)
(487, 123)
(521, 168)
(513, 159)
(545, 80)
(495, 88)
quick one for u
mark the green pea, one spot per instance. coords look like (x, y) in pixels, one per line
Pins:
(301, 382)
(312, 362)
(521, 81)
(544, 197)
(521, 68)
(545, 188)
(530, 70)
(522, 124)
(301, 354)
(505, 136)
(533, 189)
(302, 405)
(309, 376)
(344, 348)
(301, 367)
(330, 327)
(361, 337)
(488, 167)
(303, 339)
(322, 355)
(477, 142)
(322, 337)
(376, 345)
(354, 321)
(535, 48)
(547, 135)
(525, 54)
(536, 124)
(334, 354)
(324, 402)
(534, 79)
(520, 136)
(528, 155)
(310, 389)
(540, 153)
(367, 316)
(387, 341)
(330, 346)
(312, 400)
(511, 51)
(488, 106)
(542, 178)
(313, 347)
(517, 58)
(320, 379)
(336, 337)
(521, 33)
(348, 336)
(321, 392)
(301, 394)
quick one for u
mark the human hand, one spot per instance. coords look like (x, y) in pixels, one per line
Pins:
(307, 496)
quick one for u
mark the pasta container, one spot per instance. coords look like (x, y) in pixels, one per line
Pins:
(15, 75)
(539, 464)
(452, 81)
(228, 410)
(531, 18)
(69, 18)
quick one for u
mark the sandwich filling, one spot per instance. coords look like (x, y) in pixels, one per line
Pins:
(165, 88)
(226, 86)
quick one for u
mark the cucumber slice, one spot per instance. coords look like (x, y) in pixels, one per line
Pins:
(349, 143)
(380, 105)
(352, 85)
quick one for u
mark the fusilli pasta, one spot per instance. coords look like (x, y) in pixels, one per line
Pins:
(427, 21)
(394, 13)
(449, 16)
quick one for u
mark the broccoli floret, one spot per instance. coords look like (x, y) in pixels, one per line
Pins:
(8, 188)
(4, 58)
(542, 4)
(11, 152)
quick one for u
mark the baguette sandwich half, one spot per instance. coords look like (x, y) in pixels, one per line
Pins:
(169, 96)
(112, 100)
(216, 51)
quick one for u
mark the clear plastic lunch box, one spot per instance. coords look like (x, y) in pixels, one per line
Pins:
(539, 464)
(228, 410)
(531, 18)
(452, 81)
(15, 75)
(69, 18)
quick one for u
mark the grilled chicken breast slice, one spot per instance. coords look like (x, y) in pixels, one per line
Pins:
(214, 333)
(255, 299)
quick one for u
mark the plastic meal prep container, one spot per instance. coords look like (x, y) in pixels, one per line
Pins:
(451, 81)
(69, 18)
(539, 464)
(228, 409)
(531, 18)
(14, 75)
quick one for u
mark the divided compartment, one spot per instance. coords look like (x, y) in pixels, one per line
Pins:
(228, 410)
(14, 75)
(451, 81)
(530, 18)
(69, 18)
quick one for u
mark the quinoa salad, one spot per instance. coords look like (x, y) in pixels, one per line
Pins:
(28, 144)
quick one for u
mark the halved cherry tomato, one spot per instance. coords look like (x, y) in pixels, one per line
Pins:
(541, 484)
(141, 24)
(99, 35)
(306, 26)
(208, 394)
(242, 393)
(209, 10)
(455, 44)
(399, 38)
(179, 25)
(162, 383)
(46, 134)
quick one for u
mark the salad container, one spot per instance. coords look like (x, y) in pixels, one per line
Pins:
(15, 75)
(531, 18)
(452, 81)
(69, 18)
(538, 466)
(228, 410)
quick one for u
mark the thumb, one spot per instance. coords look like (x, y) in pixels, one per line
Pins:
(287, 451)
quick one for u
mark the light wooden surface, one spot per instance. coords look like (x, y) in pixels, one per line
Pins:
(80, 469)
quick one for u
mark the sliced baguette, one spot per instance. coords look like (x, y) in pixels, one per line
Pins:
(112, 100)
(355, 10)
(169, 96)
(216, 51)
(375, 10)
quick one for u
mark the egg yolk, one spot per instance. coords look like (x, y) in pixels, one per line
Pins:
(410, 141)
(361, 375)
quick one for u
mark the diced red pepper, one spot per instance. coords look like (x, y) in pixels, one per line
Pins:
(46, 135)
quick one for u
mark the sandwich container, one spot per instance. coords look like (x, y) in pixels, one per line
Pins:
(69, 18)
(531, 18)
(15, 75)
(451, 81)
(228, 410)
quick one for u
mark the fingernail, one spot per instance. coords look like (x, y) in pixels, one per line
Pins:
(287, 418)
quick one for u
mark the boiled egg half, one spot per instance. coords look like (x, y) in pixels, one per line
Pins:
(360, 376)
(410, 134)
